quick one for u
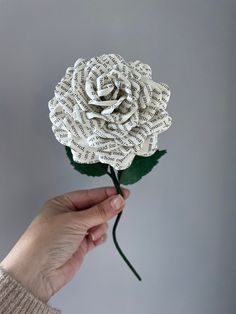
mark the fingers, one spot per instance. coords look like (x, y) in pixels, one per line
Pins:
(97, 232)
(101, 212)
(101, 240)
(92, 244)
(84, 199)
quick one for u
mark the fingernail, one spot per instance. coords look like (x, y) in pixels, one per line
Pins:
(91, 236)
(117, 202)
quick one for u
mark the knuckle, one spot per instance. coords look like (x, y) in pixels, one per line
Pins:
(107, 191)
(66, 200)
(53, 202)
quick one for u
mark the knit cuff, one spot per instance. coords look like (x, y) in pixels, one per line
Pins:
(14, 298)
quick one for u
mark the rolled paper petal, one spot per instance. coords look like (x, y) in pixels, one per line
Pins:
(149, 146)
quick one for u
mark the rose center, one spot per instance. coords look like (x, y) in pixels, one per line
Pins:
(120, 93)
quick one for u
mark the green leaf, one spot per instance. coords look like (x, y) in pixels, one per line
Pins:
(139, 168)
(95, 170)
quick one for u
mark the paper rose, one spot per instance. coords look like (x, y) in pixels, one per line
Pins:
(108, 110)
(108, 113)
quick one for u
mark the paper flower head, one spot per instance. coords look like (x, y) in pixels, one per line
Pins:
(108, 113)
(108, 110)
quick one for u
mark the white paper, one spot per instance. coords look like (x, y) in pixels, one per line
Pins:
(109, 110)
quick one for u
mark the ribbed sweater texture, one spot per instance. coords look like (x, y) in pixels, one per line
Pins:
(15, 299)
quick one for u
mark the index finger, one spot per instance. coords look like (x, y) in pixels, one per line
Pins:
(83, 199)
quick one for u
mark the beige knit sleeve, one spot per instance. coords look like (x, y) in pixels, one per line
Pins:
(15, 299)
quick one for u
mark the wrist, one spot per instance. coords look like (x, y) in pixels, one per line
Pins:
(29, 277)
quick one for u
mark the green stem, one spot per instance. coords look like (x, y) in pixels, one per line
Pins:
(119, 191)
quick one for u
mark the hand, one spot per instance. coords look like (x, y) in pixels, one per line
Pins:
(53, 247)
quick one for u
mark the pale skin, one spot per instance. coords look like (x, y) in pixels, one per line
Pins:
(53, 247)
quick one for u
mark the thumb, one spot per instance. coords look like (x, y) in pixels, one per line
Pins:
(102, 212)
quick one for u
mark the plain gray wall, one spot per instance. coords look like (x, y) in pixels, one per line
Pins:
(178, 228)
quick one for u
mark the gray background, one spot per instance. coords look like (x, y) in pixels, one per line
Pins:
(179, 224)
